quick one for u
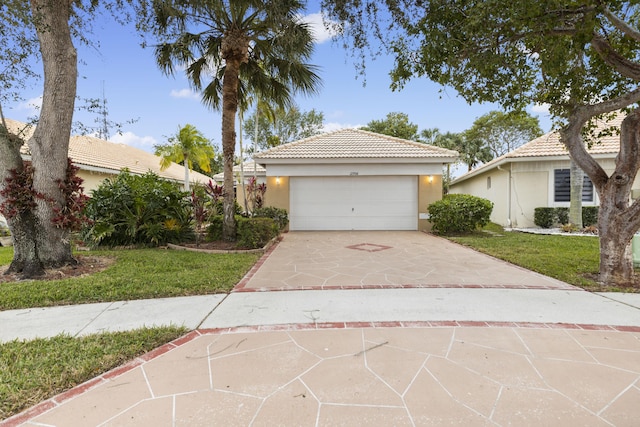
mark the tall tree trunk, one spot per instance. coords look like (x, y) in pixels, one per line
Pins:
(23, 225)
(229, 109)
(575, 205)
(187, 186)
(50, 142)
(235, 51)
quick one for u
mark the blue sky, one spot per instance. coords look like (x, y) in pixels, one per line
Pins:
(135, 88)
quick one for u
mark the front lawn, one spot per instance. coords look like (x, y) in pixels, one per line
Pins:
(572, 259)
(136, 274)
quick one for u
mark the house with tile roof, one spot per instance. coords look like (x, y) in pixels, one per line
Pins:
(248, 168)
(99, 159)
(536, 175)
(352, 179)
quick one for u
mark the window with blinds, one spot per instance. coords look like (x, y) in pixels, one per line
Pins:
(562, 187)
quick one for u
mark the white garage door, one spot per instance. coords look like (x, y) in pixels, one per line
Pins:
(354, 203)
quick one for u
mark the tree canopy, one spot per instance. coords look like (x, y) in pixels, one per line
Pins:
(502, 132)
(394, 124)
(285, 125)
(188, 146)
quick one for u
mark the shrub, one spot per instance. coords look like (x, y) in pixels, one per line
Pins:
(214, 230)
(544, 217)
(548, 217)
(459, 213)
(562, 216)
(589, 215)
(280, 216)
(256, 232)
(138, 210)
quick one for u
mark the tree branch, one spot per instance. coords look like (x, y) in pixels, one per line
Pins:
(621, 25)
(621, 64)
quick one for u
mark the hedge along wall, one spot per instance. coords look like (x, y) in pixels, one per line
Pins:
(549, 217)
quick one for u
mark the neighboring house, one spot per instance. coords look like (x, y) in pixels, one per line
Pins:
(248, 169)
(261, 173)
(355, 180)
(534, 175)
(99, 159)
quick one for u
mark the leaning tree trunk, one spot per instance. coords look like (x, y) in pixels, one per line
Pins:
(50, 142)
(235, 51)
(23, 223)
(616, 233)
(617, 219)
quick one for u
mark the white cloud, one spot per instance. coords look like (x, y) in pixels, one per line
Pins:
(32, 105)
(332, 126)
(145, 143)
(540, 108)
(320, 33)
(184, 93)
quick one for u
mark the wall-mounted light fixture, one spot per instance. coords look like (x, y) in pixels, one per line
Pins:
(430, 178)
(278, 180)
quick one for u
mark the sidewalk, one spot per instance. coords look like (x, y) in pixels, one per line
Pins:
(317, 306)
(514, 348)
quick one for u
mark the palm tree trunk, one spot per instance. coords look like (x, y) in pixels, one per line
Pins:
(229, 109)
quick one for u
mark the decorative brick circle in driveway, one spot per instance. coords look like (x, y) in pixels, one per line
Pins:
(375, 259)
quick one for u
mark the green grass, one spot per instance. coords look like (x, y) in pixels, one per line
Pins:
(32, 371)
(572, 259)
(136, 274)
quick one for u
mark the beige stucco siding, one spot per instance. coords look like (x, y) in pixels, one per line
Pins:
(429, 191)
(277, 194)
(493, 186)
(92, 180)
(529, 190)
(531, 186)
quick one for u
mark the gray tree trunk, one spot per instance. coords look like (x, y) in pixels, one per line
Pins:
(50, 142)
(575, 205)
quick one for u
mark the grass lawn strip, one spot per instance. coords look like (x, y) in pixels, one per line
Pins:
(33, 371)
(136, 274)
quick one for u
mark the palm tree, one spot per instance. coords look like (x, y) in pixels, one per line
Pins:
(243, 46)
(187, 146)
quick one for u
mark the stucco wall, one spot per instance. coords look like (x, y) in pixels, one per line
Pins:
(531, 186)
(92, 180)
(492, 185)
(277, 194)
(429, 191)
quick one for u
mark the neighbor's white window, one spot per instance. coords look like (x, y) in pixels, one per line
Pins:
(562, 187)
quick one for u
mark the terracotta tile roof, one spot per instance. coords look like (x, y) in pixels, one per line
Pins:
(93, 153)
(354, 144)
(549, 145)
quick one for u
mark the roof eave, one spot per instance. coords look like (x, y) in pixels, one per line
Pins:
(345, 160)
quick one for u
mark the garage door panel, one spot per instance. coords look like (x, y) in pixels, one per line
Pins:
(353, 203)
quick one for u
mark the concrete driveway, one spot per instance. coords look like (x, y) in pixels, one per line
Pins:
(375, 259)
